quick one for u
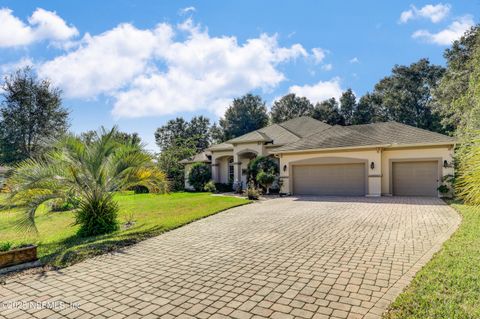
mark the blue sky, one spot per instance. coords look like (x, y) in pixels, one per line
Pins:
(140, 63)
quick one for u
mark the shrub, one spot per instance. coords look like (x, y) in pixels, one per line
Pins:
(468, 180)
(224, 187)
(199, 175)
(252, 192)
(97, 216)
(210, 187)
(5, 246)
(265, 179)
(261, 163)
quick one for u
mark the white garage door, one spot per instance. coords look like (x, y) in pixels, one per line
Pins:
(415, 178)
(330, 179)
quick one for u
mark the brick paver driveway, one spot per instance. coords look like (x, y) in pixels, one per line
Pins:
(282, 258)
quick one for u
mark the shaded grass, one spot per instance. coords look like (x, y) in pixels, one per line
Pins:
(449, 285)
(148, 214)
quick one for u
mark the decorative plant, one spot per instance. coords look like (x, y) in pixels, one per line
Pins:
(262, 163)
(210, 187)
(266, 179)
(252, 192)
(199, 175)
(447, 181)
(92, 172)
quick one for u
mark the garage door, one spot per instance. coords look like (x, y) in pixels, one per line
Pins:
(415, 178)
(334, 179)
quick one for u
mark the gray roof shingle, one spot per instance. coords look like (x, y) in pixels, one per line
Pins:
(304, 126)
(398, 133)
(280, 134)
(200, 157)
(376, 134)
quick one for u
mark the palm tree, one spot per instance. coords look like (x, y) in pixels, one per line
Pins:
(91, 171)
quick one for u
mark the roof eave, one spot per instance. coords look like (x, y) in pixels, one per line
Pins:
(310, 150)
(451, 143)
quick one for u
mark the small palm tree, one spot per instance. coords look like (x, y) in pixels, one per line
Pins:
(92, 171)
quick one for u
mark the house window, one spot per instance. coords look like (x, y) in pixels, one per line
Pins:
(230, 171)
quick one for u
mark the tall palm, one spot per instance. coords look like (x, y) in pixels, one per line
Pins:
(92, 172)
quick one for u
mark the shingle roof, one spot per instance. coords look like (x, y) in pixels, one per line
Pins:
(333, 137)
(200, 157)
(376, 134)
(304, 126)
(280, 134)
(398, 133)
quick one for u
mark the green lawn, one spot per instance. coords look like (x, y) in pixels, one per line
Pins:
(449, 285)
(152, 214)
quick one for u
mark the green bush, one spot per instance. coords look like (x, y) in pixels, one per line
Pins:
(261, 163)
(97, 216)
(210, 187)
(266, 179)
(5, 246)
(199, 175)
(224, 187)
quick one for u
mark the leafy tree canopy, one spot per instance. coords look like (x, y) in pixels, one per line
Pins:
(406, 95)
(246, 114)
(178, 131)
(290, 106)
(328, 112)
(31, 115)
(449, 96)
(348, 106)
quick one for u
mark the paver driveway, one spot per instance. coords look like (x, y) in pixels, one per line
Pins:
(283, 258)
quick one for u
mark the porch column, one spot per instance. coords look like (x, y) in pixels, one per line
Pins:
(215, 172)
(237, 171)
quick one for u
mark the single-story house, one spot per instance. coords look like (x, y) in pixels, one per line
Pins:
(3, 175)
(315, 158)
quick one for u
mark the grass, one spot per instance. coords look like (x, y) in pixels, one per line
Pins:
(449, 285)
(148, 215)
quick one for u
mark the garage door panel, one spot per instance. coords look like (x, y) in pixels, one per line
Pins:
(335, 179)
(415, 178)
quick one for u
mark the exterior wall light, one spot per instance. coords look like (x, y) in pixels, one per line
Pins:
(372, 165)
(445, 163)
(284, 168)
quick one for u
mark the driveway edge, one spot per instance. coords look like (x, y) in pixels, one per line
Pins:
(381, 306)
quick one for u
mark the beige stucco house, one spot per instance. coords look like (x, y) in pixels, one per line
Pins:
(318, 159)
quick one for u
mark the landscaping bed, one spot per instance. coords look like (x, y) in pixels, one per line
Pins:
(448, 286)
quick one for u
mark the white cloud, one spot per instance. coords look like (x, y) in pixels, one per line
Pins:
(42, 25)
(327, 67)
(149, 72)
(105, 62)
(320, 91)
(318, 55)
(354, 60)
(446, 36)
(186, 10)
(434, 13)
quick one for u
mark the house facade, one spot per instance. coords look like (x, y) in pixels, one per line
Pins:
(318, 159)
